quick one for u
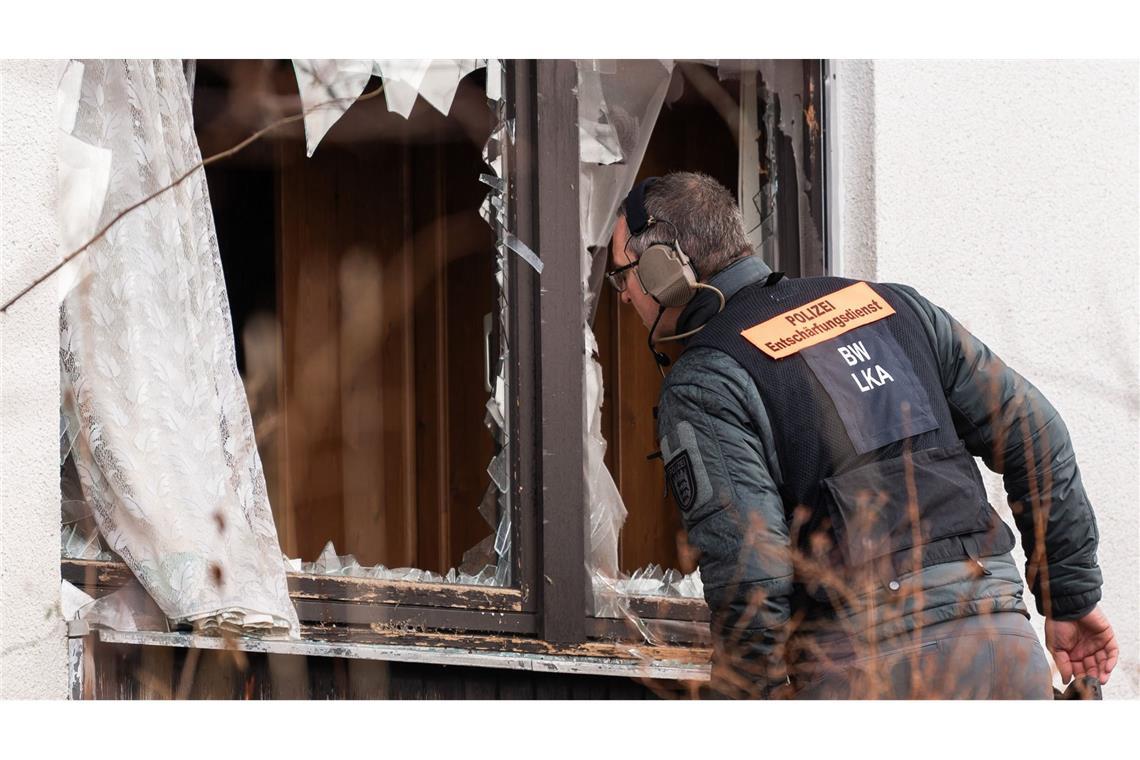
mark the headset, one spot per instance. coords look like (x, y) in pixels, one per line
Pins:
(664, 271)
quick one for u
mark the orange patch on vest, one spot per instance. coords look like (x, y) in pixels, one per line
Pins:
(819, 320)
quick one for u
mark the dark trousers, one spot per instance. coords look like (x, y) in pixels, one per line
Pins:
(994, 656)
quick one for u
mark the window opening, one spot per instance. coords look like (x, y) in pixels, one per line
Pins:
(365, 267)
(753, 126)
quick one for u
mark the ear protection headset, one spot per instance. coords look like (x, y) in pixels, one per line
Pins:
(664, 271)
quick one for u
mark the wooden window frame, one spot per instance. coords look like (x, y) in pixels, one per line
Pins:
(549, 599)
(525, 608)
(352, 601)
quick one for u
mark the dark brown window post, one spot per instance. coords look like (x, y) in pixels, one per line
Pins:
(563, 522)
(525, 379)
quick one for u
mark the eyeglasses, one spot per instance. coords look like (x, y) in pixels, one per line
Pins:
(617, 277)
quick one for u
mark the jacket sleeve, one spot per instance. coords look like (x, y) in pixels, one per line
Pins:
(718, 470)
(1010, 424)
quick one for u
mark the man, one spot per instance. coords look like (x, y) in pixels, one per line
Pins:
(818, 436)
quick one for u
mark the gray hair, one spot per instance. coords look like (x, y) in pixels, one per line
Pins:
(710, 226)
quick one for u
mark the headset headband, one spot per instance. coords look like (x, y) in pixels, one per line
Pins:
(636, 217)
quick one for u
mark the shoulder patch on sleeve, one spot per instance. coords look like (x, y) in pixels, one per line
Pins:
(679, 476)
(685, 473)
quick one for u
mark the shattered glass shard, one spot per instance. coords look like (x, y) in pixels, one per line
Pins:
(402, 80)
(441, 80)
(327, 88)
(523, 250)
(498, 471)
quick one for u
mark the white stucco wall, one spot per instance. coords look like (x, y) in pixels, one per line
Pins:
(1007, 192)
(33, 649)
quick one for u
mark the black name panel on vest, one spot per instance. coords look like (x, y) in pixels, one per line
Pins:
(873, 386)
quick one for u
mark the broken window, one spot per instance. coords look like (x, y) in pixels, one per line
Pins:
(753, 126)
(369, 313)
(368, 283)
(413, 370)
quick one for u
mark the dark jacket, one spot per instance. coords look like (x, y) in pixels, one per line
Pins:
(711, 410)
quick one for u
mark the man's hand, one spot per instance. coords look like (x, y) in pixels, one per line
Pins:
(1086, 646)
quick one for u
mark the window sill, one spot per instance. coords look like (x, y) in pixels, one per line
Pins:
(331, 588)
(355, 611)
(596, 658)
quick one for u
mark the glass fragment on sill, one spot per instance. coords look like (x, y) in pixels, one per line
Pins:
(330, 563)
(128, 608)
(131, 608)
(653, 580)
(72, 600)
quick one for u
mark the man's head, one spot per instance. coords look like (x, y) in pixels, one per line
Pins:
(707, 223)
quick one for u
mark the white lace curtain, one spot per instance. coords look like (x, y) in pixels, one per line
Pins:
(156, 412)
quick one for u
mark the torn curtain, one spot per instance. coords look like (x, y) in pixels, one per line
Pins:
(157, 414)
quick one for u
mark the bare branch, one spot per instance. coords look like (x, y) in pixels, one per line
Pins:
(200, 165)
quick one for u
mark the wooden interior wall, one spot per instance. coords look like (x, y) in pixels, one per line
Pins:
(689, 136)
(385, 273)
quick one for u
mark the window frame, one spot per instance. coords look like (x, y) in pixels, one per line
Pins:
(337, 600)
(550, 600)
(686, 620)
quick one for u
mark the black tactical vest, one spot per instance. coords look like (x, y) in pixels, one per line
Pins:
(874, 476)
